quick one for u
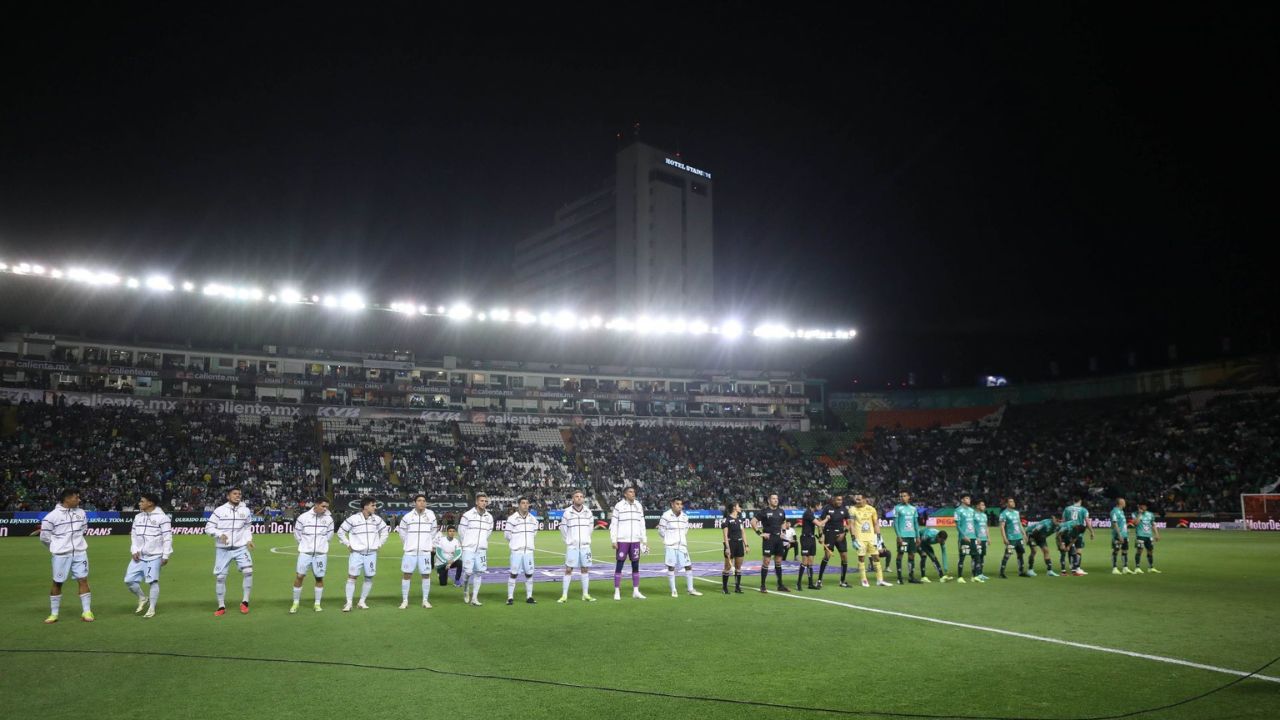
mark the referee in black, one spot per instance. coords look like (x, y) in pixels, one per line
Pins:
(735, 546)
(809, 542)
(768, 525)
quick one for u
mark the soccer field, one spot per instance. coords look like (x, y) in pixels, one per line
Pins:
(937, 650)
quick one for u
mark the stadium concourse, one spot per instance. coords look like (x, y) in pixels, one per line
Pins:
(1185, 454)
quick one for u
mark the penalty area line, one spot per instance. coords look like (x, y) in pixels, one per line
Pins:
(1028, 636)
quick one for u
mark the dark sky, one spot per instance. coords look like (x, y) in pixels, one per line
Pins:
(980, 190)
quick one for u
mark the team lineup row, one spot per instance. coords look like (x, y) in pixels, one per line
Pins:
(429, 548)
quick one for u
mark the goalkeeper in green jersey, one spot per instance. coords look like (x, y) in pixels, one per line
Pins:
(1011, 529)
(982, 524)
(967, 531)
(1038, 537)
(1119, 539)
(1069, 534)
(1146, 534)
(1075, 512)
(929, 539)
(906, 526)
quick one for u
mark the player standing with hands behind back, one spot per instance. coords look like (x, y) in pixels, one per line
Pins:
(735, 546)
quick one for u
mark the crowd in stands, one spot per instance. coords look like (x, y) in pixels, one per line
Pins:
(1185, 453)
(189, 456)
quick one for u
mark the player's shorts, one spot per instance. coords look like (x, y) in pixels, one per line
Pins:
(866, 545)
(77, 564)
(968, 548)
(736, 549)
(808, 545)
(1014, 546)
(677, 558)
(521, 562)
(314, 562)
(1143, 543)
(773, 546)
(982, 547)
(416, 563)
(908, 545)
(1120, 543)
(628, 551)
(577, 557)
(836, 542)
(1080, 542)
(222, 558)
(1038, 541)
(362, 562)
(475, 561)
(144, 570)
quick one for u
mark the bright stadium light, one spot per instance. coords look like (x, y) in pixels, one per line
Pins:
(159, 283)
(524, 317)
(482, 317)
(460, 311)
(37, 269)
(404, 308)
(22, 268)
(315, 298)
(188, 286)
(132, 283)
(597, 321)
(772, 331)
(698, 327)
(56, 274)
(352, 301)
(3, 267)
(105, 278)
(290, 296)
(330, 301)
(272, 297)
(440, 309)
(422, 309)
(212, 289)
(731, 329)
(564, 320)
(500, 314)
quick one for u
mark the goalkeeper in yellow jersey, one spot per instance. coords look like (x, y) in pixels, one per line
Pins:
(865, 525)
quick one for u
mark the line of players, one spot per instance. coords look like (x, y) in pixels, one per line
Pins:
(428, 548)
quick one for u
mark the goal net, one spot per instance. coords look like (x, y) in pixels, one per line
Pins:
(1260, 511)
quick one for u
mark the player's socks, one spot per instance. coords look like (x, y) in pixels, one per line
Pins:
(737, 581)
(84, 603)
(136, 589)
(246, 585)
(911, 568)
(1124, 560)
(528, 587)
(764, 575)
(351, 590)
(297, 595)
(564, 587)
(844, 571)
(55, 604)
(220, 587)
(899, 566)
(800, 576)
(586, 578)
(777, 573)
(476, 580)
(724, 582)
(862, 572)
(511, 587)
(426, 588)
(365, 589)
(822, 570)
(404, 591)
(319, 593)
(155, 595)
(1062, 561)
(671, 580)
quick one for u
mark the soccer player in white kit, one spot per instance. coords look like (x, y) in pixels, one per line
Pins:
(363, 532)
(62, 531)
(150, 545)
(576, 524)
(312, 529)
(673, 528)
(418, 530)
(231, 526)
(629, 539)
(474, 530)
(520, 531)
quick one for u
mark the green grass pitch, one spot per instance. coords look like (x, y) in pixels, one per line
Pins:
(1215, 605)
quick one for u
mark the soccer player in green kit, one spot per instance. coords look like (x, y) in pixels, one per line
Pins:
(905, 524)
(1146, 533)
(1069, 534)
(1038, 537)
(929, 537)
(1011, 529)
(1076, 512)
(966, 529)
(1119, 539)
(982, 523)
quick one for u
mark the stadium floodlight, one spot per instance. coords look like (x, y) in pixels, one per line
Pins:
(482, 317)
(37, 269)
(422, 309)
(772, 331)
(3, 267)
(545, 318)
(597, 321)
(315, 298)
(500, 314)
(564, 320)
(272, 297)
(56, 274)
(731, 329)
(22, 268)
(159, 283)
(213, 289)
(441, 310)
(132, 283)
(524, 317)
(405, 308)
(698, 327)
(620, 324)
(290, 296)
(330, 301)
(105, 278)
(188, 286)
(352, 301)
(460, 311)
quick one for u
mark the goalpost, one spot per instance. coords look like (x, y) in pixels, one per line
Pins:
(1260, 511)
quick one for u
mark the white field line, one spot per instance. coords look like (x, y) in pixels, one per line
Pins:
(1026, 636)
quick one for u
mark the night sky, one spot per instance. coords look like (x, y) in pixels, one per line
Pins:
(980, 190)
